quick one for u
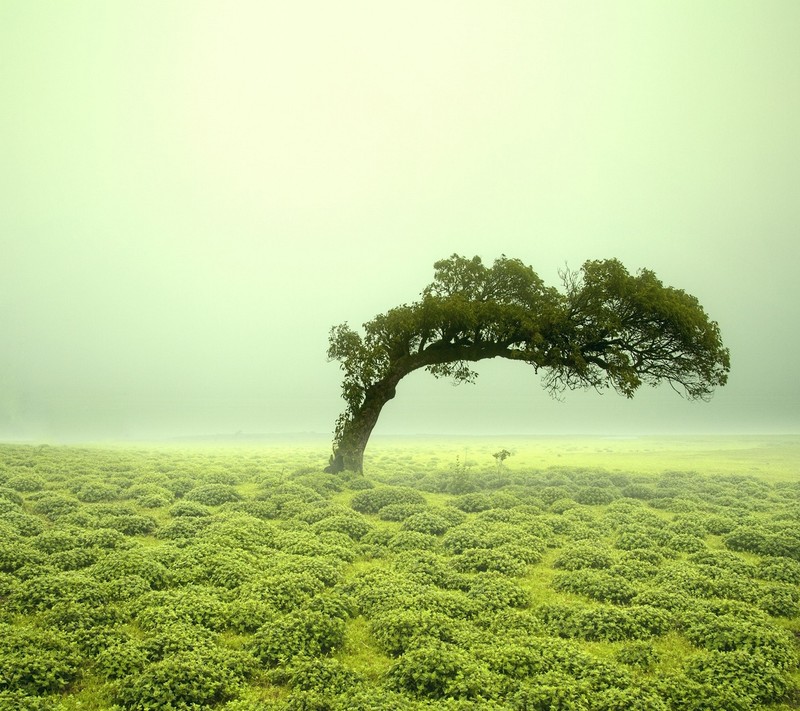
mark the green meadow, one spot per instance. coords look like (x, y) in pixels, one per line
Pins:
(509, 573)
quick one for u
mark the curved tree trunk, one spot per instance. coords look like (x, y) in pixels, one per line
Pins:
(349, 450)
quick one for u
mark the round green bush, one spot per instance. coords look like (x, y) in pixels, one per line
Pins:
(36, 661)
(595, 495)
(493, 591)
(25, 482)
(322, 674)
(11, 496)
(75, 559)
(412, 541)
(134, 561)
(53, 505)
(553, 691)
(186, 680)
(585, 555)
(371, 501)
(429, 522)
(478, 560)
(120, 660)
(473, 503)
(428, 568)
(354, 527)
(213, 494)
(130, 524)
(53, 540)
(91, 492)
(438, 670)
(304, 632)
(596, 584)
(781, 570)
(44, 591)
(752, 677)
(400, 512)
(14, 554)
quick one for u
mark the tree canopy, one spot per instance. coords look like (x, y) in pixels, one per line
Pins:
(606, 328)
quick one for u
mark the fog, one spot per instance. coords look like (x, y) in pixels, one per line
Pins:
(193, 193)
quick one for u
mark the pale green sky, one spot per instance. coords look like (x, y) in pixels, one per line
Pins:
(192, 193)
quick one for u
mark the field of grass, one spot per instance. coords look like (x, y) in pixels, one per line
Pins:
(585, 574)
(773, 457)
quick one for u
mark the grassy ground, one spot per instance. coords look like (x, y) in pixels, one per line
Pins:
(773, 457)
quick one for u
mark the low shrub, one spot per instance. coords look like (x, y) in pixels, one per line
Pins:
(586, 555)
(53, 505)
(323, 674)
(181, 681)
(413, 541)
(25, 482)
(750, 676)
(301, 633)
(552, 691)
(35, 661)
(133, 561)
(781, 570)
(213, 494)
(371, 501)
(431, 522)
(397, 631)
(194, 605)
(479, 560)
(438, 670)
(492, 591)
(41, 592)
(596, 584)
(400, 512)
(353, 526)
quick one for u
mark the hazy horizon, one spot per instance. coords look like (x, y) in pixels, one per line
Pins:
(194, 193)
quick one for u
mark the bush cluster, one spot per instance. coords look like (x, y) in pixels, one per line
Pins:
(170, 580)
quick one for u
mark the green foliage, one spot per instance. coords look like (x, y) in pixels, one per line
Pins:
(41, 592)
(397, 631)
(605, 622)
(371, 501)
(353, 526)
(553, 691)
(25, 482)
(36, 661)
(133, 561)
(478, 560)
(596, 584)
(781, 570)
(439, 670)
(296, 600)
(189, 508)
(301, 633)
(198, 606)
(492, 591)
(639, 655)
(54, 505)
(184, 680)
(321, 674)
(585, 555)
(753, 677)
(430, 522)
(213, 494)
(400, 512)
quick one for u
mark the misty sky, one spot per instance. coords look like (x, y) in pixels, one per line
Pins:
(193, 192)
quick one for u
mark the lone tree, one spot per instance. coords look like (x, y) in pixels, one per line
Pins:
(605, 329)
